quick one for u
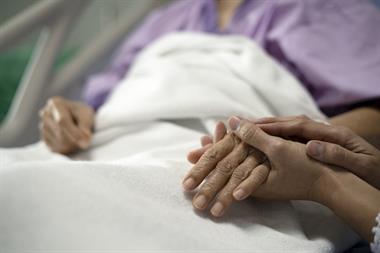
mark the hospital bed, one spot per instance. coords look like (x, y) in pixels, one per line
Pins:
(103, 197)
(54, 20)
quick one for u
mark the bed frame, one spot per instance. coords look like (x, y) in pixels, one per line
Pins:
(55, 19)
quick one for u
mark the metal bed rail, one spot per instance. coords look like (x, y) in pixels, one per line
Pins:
(55, 18)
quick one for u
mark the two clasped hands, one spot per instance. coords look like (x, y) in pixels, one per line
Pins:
(288, 158)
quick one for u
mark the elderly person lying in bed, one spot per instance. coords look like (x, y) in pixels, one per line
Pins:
(335, 168)
(330, 46)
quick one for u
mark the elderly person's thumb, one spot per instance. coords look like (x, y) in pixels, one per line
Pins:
(251, 134)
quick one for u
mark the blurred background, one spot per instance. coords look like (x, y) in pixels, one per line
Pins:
(96, 18)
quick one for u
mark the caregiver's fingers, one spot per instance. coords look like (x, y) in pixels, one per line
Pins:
(219, 177)
(220, 131)
(225, 198)
(208, 161)
(194, 155)
(266, 120)
(337, 155)
(257, 177)
(249, 133)
(303, 127)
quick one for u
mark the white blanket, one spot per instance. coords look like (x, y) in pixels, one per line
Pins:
(128, 195)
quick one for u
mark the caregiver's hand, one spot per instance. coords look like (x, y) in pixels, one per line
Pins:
(334, 145)
(66, 126)
(293, 175)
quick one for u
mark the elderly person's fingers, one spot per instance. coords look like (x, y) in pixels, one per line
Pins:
(205, 140)
(70, 122)
(252, 182)
(249, 133)
(220, 176)
(54, 136)
(194, 155)
(65, 121)
(208, 161)
(84, 117)
(220, 131)
(225, 198)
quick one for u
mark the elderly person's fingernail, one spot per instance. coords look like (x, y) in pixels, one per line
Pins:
(314, 148)
(217, 209)
(239, 194)
(234, 123)
(200, 202)
(188, 184)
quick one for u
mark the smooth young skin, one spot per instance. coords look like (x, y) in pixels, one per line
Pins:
(335, 145)
(292, 175)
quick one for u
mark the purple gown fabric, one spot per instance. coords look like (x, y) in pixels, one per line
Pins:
(331, 46)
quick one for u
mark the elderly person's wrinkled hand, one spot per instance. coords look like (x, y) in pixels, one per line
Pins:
(268, 167)
(66, 126)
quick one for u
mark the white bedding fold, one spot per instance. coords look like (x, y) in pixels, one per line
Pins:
(128, 195)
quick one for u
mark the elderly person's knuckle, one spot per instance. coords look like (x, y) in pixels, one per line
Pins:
(225, 167)
(239, 174)
(197, 172)
(62, 122)
(225, 195)
(211, 154)
(208, 188)
(261, 174)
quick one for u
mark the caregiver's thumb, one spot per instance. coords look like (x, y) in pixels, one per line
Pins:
(251, 134)
(333, 154)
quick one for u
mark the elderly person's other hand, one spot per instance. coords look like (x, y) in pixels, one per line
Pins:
(66, 126)
(330, 144)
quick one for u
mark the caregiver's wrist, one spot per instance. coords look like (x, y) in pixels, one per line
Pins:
(327, 189)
